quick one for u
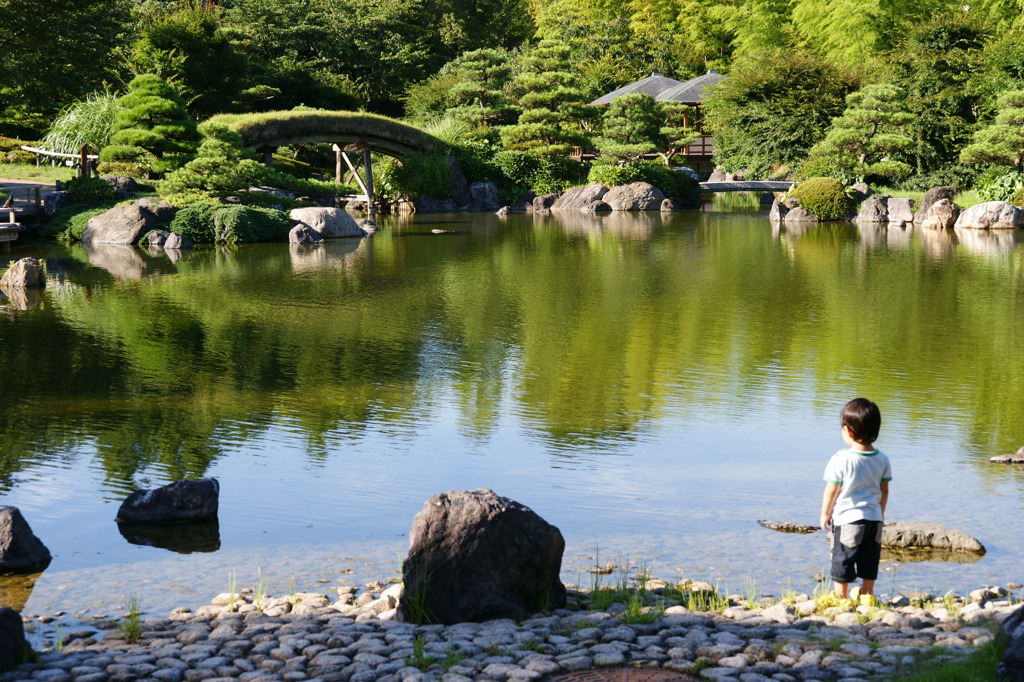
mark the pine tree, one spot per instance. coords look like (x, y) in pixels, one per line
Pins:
(676, 132)
(869, 136)
(630, 128)
(1002, 141)
(479, 97)
(151, 127)
(551, 104)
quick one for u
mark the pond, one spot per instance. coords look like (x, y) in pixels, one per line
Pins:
(652, 385)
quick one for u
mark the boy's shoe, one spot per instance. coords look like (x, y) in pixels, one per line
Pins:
(867, 600)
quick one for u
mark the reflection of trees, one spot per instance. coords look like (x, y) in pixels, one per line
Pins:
(590, 334)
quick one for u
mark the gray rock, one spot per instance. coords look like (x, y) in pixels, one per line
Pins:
(718, 175)
(788, 526)
(524, 203)
(597, 206)
(122, 184)
(367, 226)
(901, 211)
(330, 223)
(179, 502)
(778, 211)
(425, 203)
(20, 550)
(579, 198)
(1011, 666)
(54, 201)
(991, 215)
(156, 237)
(24, 273)
(1014, 458)
(874, 209)
(126, 224)
(942, 215)
(930, 197)
(304, 234)
(475, 556)
(669, 206)
(920, 535)
(544, 202)
(484, 196)
(461, 190)
(636, 196)
(798, 214)
(176, 241)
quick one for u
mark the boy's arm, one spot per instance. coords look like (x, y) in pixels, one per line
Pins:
(884, 487)
(828, 499)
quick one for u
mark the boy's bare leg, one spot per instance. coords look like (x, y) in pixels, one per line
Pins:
(842, 590)
(868, 587)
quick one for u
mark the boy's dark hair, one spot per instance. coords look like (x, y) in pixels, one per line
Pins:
(863, 418)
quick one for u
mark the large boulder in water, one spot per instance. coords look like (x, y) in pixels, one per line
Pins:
(579, 198)
(25, 273)
(476, 556)
(20, 550)
(13, 647)
(126, 224)
(991, 215)
(930, 197)
(941, 215)
(921, 535)
(900, 210)
(330, 223)
(179, 502)
(874, 209)
(636, 196)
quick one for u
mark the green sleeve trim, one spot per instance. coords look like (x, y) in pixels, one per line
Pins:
(828, 480)
(886, 480)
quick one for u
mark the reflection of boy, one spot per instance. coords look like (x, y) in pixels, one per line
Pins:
(856, 491)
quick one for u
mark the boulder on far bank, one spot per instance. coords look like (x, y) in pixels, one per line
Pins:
(24, 273)
(329, 223)
(20, 550)
(874, 209)
(178, 502)
(579, 198)
(126, 224)
(991, 215)
(941, 215)
(900, 210)
(1014, 458)
(635, 196)
(930, 197)
(476, 556)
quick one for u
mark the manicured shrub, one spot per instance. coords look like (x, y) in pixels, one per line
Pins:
(230, 224)
(88, 191)
(824, 197)
(672, 183)
(610, 174)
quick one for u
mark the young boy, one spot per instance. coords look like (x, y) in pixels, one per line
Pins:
(856, 491)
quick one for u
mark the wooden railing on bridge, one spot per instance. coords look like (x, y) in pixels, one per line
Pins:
(14, 207)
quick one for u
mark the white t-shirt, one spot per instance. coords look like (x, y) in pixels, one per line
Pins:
(859, 476)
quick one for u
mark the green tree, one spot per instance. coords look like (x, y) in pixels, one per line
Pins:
(179, 43)
(1002, 141)
(630, 128)
(152, 128)
(53, 53)
(939, 67)
(772, 108)
(870, 137)
(551, 106)
(479, 96)
(676, 132)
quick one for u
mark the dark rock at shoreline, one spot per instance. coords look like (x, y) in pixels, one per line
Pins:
(778, 211)
(329, 223)
(304, 234)
(425, 203)
(13, 646)
(544, 202)
(20, 550)
(484, 197)
(1011, 666)
(475, 556)
(179, 502)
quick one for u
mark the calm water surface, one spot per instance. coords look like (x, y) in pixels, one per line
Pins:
(651, 385)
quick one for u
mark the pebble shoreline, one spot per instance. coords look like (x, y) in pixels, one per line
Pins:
(305, 636)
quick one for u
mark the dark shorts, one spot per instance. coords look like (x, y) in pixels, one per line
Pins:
(856, 550)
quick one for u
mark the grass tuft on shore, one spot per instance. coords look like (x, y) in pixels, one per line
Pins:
(933, 666)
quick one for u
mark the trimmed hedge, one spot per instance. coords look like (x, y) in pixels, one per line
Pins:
(824, 197)
(231, 224)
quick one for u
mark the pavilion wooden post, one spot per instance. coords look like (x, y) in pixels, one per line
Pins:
(371, 203)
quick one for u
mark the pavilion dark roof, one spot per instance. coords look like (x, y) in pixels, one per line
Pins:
(652, 85)
(692, 91)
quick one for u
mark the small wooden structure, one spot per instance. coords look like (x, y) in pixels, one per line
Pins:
(85, 160)
(21, 201)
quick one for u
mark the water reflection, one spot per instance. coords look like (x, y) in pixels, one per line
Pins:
(15, 298)
(182, 538)
(340, 255)
(15, 590)
(992, 243)
(937, 244)
(125, 262)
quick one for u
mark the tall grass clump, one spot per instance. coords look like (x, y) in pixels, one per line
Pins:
(129, 628)
(89, 121)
